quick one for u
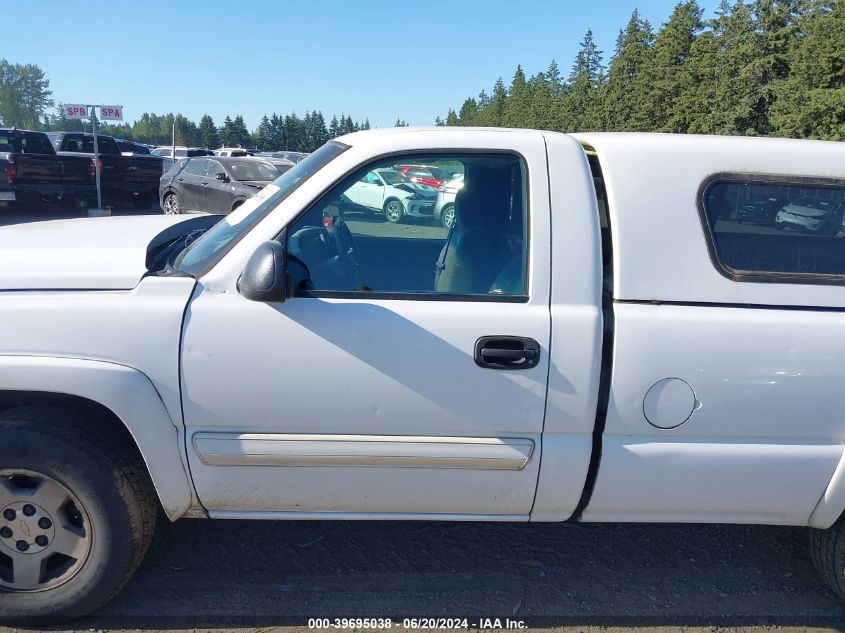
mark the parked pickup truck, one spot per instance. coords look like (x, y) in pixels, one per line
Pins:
(596, 338)
(30, 171)
(122, 177)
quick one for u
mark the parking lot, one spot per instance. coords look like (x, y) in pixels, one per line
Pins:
(234, 574)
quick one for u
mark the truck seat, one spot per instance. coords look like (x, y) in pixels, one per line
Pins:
(476, 248)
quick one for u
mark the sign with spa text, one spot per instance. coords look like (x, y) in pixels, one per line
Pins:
(111, 113)
(81, 111)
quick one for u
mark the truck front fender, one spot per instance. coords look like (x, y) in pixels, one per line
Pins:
(131, 397)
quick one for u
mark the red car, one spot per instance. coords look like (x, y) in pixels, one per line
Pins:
(424, 174)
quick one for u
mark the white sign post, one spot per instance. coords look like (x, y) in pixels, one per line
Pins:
(107, 113)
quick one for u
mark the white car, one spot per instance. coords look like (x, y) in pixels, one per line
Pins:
(808, 214)
(182, 152)
(392, 193)
(590, 342)
(231, 151)
(444, 209)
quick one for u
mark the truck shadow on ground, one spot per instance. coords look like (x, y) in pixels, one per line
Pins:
(243, 573)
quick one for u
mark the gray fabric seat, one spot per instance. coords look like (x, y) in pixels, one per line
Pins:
(476, 249)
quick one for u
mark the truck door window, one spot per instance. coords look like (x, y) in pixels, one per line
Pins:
(411, 240)
(776, 229)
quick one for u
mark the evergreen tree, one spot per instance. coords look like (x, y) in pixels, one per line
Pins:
(811, 101)
(624, 104)
(261, 137)
(580, 103)
(208, 133)
(468, 114)
(516, 110)
(496, 109)
(665, 76)
(540, 104)
(240, 134)
(275, 132)
(227, 134)
(777, 28)
(724, 89)
(554, 78)
(334, 127)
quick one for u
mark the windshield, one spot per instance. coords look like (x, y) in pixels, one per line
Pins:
(208, 249)
(243, 170)
(392, 177)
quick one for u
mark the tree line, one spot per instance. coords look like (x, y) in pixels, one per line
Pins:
(274, 132)
(26, 102)
(764, 68)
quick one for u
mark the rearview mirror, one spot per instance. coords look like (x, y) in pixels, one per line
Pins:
(264, 277)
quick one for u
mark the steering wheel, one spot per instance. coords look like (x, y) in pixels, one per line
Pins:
(347, 254)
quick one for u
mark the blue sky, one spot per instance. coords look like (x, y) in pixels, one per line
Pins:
(377, 59)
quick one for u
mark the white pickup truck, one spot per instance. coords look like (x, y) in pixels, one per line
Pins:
(613, 329)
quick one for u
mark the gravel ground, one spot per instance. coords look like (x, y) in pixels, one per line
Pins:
(246, 576)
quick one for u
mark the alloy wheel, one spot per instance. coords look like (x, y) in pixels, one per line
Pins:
(394, 211)
(448, 217)
(171, 205)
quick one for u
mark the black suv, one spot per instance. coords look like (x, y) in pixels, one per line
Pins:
(216, 184)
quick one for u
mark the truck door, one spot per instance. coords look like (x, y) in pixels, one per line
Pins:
(406, 376)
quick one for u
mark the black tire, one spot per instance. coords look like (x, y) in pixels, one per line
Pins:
(827, 547)
(394, 210)
(170, 204)
(103, 473)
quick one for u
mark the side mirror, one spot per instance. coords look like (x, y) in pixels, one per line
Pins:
(221, 176)
(378, 183)
(264, 277)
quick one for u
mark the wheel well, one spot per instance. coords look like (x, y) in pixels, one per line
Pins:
(237, 203)
(103, 419)
(391, 199)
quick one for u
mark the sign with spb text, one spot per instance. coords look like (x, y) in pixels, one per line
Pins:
(75, 111)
